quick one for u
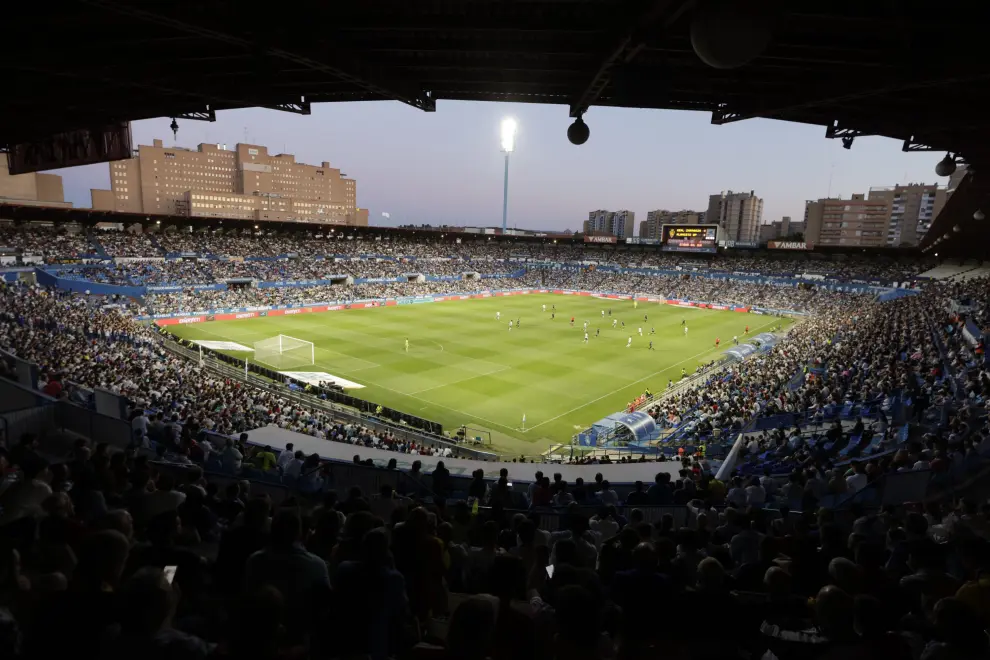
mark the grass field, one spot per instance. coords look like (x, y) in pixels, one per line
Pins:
(464, 367)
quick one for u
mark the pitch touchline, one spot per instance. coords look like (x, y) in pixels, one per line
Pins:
(527, 430)
(462, 380)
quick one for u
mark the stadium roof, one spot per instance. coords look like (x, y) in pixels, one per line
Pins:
(915, 71)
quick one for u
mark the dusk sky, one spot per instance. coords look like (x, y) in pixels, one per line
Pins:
(446, 167)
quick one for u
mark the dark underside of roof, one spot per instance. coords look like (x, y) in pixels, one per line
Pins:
(914, 70)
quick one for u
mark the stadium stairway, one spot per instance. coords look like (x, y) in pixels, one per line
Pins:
(97, 246)
(154, 241)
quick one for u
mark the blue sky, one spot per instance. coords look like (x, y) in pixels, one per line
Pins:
(446, 168)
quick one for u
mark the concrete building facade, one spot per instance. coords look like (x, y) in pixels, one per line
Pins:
(888, 216)
(782, 228)
(33, 189)
(913, 207)
(620, 224)
(655, 220)
(855, 222)
(244, 183)
(738, 215)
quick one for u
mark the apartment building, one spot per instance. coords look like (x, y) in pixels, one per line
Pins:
(613, 223)
(655, 220)
(738, 215)
(859, 221)
(245, 182)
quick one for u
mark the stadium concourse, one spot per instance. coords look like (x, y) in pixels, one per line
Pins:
(144, 510)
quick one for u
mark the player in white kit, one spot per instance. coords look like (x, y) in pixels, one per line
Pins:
(685, 331)
(603, 313)
(407, 345)
(510, 325)
(614, 321)
(544, 308)
(640, 332)
(585, 337)
(629, 343)
(498, 316)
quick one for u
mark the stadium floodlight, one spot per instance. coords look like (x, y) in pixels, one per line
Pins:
(285, 352)
(508, 134)
(508, 144)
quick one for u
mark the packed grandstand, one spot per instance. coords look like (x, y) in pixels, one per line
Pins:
(813, 508)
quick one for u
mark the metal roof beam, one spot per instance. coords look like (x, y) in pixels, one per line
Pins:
(825, 98)
(299, 108)
(627, 46)
(421, 99)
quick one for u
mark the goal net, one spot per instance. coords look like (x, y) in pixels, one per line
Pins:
(284, 352)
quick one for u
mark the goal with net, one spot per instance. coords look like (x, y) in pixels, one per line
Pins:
(284, 352)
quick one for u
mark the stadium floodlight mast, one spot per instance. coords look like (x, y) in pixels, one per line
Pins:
(508, 144)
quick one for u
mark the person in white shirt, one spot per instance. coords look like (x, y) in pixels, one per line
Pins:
(737, 494)
(231, 457)
(286, 455)
(856, 481)
(608, 496)
(139, 423)
(294, 467)
(756, 495)
(604, 523)
(163, 499)
(26, 497)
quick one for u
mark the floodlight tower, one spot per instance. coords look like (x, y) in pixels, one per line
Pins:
(508, 143)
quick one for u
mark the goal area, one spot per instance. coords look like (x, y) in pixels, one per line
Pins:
(284, 352)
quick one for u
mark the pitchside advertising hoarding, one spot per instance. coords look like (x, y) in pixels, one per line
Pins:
(690, 238)
(600, 239)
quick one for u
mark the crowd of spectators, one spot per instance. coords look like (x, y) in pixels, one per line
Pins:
(197, 300)
(127, 562)
(125, 244)
(78, 346)
(467, 248)
(48, 242)
(719, 291)
(696, 288)
(113, 555)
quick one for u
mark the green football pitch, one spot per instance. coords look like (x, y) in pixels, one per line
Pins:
(464, 367)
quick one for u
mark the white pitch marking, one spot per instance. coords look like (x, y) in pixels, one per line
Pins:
(625, 386)
(462, 380)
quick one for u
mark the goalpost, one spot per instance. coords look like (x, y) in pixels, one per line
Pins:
(285, 352)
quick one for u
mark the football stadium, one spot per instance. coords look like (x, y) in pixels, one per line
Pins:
(465, 367)
(244, 418)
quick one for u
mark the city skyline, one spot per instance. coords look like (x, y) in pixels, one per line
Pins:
(446, 167)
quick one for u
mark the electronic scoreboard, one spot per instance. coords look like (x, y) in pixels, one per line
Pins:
(690, 238)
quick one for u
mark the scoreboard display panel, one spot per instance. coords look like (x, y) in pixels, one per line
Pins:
(690, 238)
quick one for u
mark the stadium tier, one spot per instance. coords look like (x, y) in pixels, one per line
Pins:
(744, 432)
